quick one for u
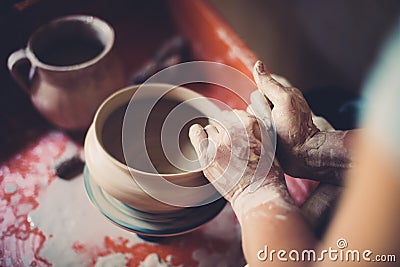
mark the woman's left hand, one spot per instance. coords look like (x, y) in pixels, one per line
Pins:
(236, 153)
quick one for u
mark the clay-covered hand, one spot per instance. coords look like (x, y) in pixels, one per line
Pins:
(304, 150)
(292, 117)
(236, 154)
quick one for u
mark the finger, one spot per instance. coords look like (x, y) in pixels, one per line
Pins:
(281, 80)
(322, 124)
(249, 109)
(217, 124)
(198, 138)
(243, 118)
(212, 132)
(268, 86)
(259, 106)
(213, 141)
(225, 117)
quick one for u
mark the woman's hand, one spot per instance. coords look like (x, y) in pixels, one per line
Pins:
(237, 154)
(304, 150)
(292, 117)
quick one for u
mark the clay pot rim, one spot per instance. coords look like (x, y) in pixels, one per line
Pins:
(116, 100)
(101, 24)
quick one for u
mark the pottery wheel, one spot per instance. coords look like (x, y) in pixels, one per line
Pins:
(149, 224)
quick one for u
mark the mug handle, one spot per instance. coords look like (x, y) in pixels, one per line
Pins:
(20, 67)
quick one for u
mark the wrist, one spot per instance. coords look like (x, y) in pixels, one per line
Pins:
(246, 201)
(326, 155)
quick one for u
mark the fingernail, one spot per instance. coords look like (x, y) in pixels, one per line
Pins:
(194, 130)
(260, 67)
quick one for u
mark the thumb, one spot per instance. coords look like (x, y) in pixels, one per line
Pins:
(198, 138)
(259, 107)
(269, 87)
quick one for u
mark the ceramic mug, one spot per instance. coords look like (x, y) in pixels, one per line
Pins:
(72, 69)
(107, 159)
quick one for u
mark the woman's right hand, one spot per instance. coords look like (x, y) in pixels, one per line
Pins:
(303, 149)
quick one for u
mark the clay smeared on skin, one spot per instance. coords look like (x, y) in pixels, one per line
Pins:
(232, 152)
(303, 150)
(225, 170)
(327, 155)
(248, 205)
(231, 156)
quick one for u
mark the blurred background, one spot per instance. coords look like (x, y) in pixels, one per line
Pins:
(314, 43)
(325, 48)
(311, 42)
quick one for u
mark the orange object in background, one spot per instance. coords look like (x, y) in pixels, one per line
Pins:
(212, 39)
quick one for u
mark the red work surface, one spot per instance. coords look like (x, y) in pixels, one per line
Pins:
(48, 221)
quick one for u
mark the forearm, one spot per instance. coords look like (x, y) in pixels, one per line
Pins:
(319, 208)
(327, 155)
(368, 214)
(270, 221)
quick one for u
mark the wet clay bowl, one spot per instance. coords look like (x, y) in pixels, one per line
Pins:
(117, 164)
